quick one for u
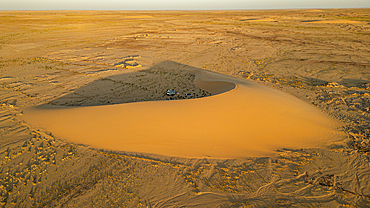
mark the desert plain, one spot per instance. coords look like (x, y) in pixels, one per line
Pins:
(272, 108)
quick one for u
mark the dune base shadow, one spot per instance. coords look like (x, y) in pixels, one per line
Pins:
(146, 85)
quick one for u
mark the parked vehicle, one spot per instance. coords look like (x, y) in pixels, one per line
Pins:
(171, 92)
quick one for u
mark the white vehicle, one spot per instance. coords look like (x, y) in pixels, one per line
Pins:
(171, 92)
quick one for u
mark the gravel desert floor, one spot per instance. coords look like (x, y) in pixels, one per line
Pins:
(272, 108)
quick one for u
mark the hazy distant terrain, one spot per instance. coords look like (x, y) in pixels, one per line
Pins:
(99, 58)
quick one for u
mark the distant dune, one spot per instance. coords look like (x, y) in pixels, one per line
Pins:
(333, 21)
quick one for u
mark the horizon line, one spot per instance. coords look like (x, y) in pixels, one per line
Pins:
(293, 8)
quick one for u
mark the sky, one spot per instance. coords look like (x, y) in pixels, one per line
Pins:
(177, 4)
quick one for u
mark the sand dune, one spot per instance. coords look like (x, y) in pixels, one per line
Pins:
(315, 10)
(138, 17)
(246, 119)
(333, 21)
(261, 20)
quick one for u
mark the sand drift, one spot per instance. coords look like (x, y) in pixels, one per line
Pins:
(243, 119)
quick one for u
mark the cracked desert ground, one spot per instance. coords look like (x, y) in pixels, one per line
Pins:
(272, 110)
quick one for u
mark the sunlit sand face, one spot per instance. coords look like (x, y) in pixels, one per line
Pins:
(242, 119)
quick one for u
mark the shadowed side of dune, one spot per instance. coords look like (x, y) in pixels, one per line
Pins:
(243, 119)
(212, 82)
(146, 85)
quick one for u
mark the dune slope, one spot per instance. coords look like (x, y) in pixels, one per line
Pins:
(243, 119)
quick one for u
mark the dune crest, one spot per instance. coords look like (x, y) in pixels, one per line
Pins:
(243, 119)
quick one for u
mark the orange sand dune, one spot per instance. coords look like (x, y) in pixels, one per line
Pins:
(247, 120)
